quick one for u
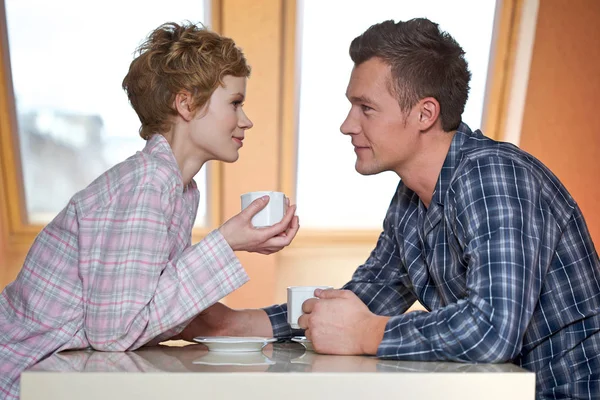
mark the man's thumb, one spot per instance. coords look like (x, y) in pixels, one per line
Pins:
(328, 293)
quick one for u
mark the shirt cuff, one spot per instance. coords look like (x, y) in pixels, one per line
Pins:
(222, 262)
(213, 271)
(402, 341)
(278, 316)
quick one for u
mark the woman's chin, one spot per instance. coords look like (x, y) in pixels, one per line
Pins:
(230, 158)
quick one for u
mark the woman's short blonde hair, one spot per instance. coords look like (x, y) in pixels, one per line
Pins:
(176, 58)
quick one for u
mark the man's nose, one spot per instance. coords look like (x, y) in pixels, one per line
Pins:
(349, 126)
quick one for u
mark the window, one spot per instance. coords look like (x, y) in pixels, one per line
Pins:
(68, 59)
(330, 193)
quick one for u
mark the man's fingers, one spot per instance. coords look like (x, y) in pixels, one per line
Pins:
(308, 306)
(331, 293)
(308, 334)
(303, 321)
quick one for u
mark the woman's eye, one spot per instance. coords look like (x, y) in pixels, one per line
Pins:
(237, 104)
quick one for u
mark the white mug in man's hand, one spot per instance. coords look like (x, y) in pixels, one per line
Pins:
(296, 296)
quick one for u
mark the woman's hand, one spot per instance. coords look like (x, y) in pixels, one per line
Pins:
(220, 320)
(242, 235)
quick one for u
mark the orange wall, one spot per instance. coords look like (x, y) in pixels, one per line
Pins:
(560, 121)
(5, 276)
(2, 249)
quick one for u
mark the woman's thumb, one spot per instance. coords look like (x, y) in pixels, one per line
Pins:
(255, 207)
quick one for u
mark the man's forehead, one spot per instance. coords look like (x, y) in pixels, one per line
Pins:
(368, 79)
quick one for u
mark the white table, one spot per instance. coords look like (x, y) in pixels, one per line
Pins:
(282, 370)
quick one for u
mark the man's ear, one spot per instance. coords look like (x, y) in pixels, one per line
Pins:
(183, 105)
(429, 113)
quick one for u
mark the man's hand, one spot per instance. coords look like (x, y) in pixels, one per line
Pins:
(338, 322)
(220, 320)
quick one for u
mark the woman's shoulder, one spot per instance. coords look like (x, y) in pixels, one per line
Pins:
(140, 172)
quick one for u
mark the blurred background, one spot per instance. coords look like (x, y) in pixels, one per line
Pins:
(64, 118)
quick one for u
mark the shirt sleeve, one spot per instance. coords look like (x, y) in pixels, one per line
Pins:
(379, 282)
(499, 219)
(382, 282)
(136, 287)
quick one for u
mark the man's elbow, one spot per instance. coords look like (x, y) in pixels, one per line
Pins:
(498, 351)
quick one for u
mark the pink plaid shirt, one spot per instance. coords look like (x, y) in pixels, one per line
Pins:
(115, 270)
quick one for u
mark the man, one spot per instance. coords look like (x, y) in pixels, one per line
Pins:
(480, 232)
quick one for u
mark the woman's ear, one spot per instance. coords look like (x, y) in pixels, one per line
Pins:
(429, 113)
(183, 105)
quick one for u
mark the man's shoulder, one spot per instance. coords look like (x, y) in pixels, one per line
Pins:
(480, 151)
(480, 147)
(511, 171)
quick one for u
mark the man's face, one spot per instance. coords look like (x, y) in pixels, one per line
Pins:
(384, 138)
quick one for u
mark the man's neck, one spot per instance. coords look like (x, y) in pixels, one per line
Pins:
(421, 175)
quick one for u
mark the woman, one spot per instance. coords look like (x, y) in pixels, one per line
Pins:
(115, 270)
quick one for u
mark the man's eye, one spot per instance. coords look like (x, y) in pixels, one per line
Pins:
(365, 108)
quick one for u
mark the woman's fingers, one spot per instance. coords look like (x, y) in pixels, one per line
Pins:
(281, 226)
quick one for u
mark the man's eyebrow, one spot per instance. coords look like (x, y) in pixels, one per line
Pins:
(360, 99)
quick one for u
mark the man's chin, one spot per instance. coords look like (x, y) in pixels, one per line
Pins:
(366, 170)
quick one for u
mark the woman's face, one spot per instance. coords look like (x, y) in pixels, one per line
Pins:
(218, 129)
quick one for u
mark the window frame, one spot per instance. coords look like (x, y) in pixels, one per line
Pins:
(276, 120)
(18, 233)
(500, 74)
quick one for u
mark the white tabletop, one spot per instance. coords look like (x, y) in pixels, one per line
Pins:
(280, 370)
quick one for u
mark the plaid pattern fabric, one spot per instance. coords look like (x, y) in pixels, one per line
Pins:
(503, 261)
(115, 269)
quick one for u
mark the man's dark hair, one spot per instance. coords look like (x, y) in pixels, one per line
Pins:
(424, 61)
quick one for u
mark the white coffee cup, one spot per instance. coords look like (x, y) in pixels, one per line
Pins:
(272, 213)
(296, 296)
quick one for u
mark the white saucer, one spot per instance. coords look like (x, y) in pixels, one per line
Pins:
(234, 358)
(304, 342)
(234, 344)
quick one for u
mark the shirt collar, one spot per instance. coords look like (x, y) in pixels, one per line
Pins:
(158, 146)
(451, 162)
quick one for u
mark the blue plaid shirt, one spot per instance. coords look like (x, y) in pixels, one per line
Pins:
(503, 261)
